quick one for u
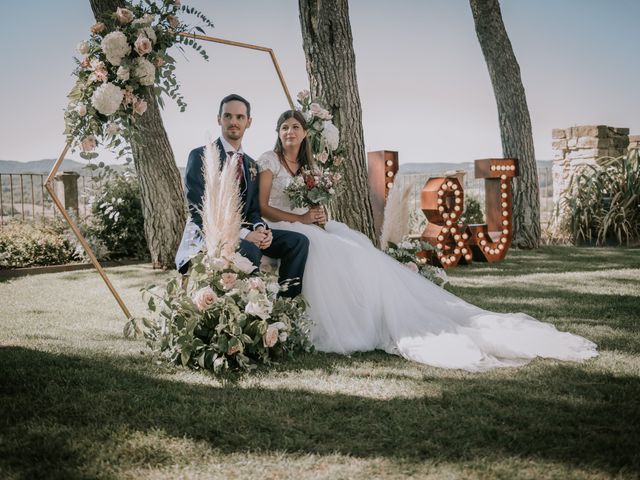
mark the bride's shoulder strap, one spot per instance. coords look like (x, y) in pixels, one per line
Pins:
(269, 161)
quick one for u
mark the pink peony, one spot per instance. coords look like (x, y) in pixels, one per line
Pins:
(204, 298)
(140, 106)
(124, 15)
(98, 27)
(173, 21)
(270, 338)
(88, 144)
(228, 280)
(142, 45)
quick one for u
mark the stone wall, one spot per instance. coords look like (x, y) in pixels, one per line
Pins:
(581, 145)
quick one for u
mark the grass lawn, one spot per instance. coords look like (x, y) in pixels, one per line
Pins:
(77, 400)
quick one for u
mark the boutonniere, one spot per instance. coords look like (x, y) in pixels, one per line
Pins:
(253, 171)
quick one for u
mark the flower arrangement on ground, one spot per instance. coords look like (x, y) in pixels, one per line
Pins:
(408, 252)
(227, 317)
(124, 63)
(318, 184)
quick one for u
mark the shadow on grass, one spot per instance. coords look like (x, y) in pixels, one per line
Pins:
(68, 416)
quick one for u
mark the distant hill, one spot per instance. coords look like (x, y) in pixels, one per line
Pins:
(441, 167)
(40, 166)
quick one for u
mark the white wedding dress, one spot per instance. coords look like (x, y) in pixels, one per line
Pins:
(361, 299)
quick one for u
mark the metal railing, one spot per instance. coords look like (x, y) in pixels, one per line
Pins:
(23, 196)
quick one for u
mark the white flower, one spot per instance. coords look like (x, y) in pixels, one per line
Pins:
(146, 20)
(107, 98)
(81, 108)
(242, 263)
(307, 116)
(149, 33)
(273, 288)
(144, 71)
(259, 309)
(330, 135)
(407, 245)
(83, 47)
(123, 73)
(115, 47)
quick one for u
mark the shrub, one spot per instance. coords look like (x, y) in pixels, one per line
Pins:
(29, 244)
(117, 214)
(472, 212)
(602, 202)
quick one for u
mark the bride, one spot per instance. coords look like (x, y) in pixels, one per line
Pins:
(361, 299)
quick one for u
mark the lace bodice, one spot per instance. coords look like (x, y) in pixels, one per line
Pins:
(281, 179)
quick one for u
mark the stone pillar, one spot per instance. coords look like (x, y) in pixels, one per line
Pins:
(67, 190)
(634, 142)
(582, 145)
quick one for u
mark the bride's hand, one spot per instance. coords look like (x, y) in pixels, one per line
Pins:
(314, 215)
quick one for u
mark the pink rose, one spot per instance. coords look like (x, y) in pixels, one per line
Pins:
(159, 61)
(124, 15)
(140, 106)
(412, 266)
(99, 71)
(173, 21)
(142, 45)
(234, 349)
(129, 97)
(228, 280)
(88, 144)
(97, 27)
(85, 63)
(304, 95)
(204, 298)
(322, 157)
(256, 283)
(270, 338)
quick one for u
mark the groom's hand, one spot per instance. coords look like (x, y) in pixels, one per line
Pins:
(260, 237)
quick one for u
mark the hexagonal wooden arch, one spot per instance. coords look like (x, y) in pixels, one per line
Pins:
(49, 182)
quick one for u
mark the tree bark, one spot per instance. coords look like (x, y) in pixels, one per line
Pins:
(513, 114)
(161, 191)
(331, 66)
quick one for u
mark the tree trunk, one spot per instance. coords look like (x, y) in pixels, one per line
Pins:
(331, 66)
(515, 122)
(161, 191)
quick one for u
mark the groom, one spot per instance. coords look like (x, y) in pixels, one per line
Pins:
(256, 239)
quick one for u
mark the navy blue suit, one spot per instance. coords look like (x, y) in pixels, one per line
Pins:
(290, 247)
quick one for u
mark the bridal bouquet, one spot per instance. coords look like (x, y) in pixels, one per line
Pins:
(124, 61)
(226, 317)
(318, 184)
(406, 252)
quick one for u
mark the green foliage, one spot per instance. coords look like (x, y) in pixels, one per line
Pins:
(602, 202)
(30, 244)
(410, 252)
(117, 214)
(224, 319)
(472, 211)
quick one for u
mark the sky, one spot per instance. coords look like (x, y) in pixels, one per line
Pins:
(423, 81)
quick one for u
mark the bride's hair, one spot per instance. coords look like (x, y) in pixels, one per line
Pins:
(305, 157)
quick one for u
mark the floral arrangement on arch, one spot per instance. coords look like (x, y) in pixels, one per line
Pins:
(408, 251)
(124, 59)
(318, 184)
(228, 316)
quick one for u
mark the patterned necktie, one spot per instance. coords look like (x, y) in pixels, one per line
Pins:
(239, 169)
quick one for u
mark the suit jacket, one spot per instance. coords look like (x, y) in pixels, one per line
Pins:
(192, 240)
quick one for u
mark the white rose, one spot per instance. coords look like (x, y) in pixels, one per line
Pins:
(123, 73)
(242, 263)
(83, 47)
(146, 20)
(107, 98)
(115, 47)
(262, 310)
(81, 108)
(330, 135)
(149, 33)
(144, 71)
